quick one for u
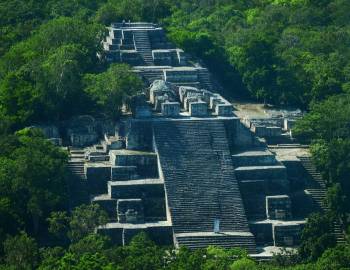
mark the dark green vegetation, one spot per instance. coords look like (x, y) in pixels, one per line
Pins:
(96, 252)
(291, 52)
(32, 183)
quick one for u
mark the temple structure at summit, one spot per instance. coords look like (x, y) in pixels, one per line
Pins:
(146, 48)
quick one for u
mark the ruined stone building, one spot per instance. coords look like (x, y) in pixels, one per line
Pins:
(184, 168)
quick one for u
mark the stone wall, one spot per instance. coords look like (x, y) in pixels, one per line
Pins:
(139, 135)
(145, 162)
(97, 176)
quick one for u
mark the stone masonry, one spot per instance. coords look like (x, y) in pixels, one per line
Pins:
(182, 167)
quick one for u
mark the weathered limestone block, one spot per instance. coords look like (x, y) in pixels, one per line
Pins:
(207, 95)
(94, 155)
(239, 135)
(131, 57)
(139, 135)
(121, 233)
(159, 101)
(114, 41)
(278, 207)
(261, 172)
(254, 158)
(224, 109)
(97, 158)
(199, 108)
(278, 185)
(185, 90)
(159, 88)
(162, 57)
(154, 208)
(171, 109)
(182, 60)
(254, 205)
(146, 162)
(288, 124)
(183, 74)
(252, 187)
(124, 173)
(262, 232)
(111, 47)
(97, 176)
(261, 130)
(115, 33)
(82, 139)
(113, 143)
(130, 211)
(273, 131)
(128, 35)
(143, 111)
(139, 106)
(82, 131)
(287, 233)
(214, 100)
(107, 204)
(143, 188)
(189, 100)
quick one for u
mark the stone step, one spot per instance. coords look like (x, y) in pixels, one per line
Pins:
(253, 157)
(143, 45)
(261, 172)
(224, 240)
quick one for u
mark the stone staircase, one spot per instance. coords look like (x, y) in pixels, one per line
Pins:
(152, 74)
(312, 171)
(224, 240)
(78, 182)
(76, 162)
(200, 183)
(77, 168)
(318, 191)
(143, 46)
(315, 186)
(204, 78)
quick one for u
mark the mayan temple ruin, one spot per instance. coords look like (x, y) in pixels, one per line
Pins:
(184, 165)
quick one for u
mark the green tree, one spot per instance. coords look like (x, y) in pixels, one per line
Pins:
(335, 258)
(32, 180)
(110, 88)
(244, 264)
(316, 237)
(141, 254)
(21, 252)
(58, 226)
(84, 220)
(93, 243)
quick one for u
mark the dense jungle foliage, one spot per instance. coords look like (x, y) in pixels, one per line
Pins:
(282, 52)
